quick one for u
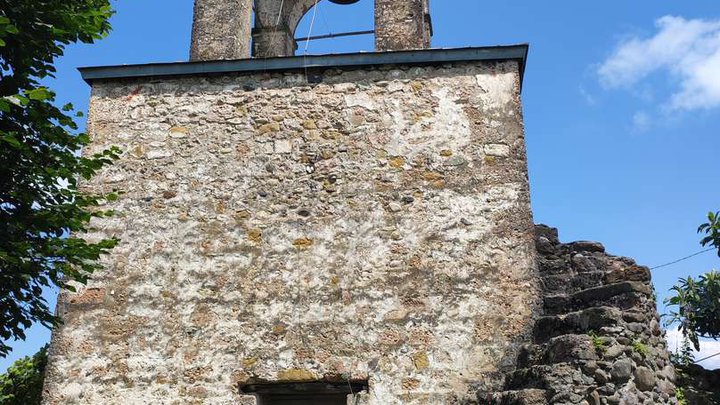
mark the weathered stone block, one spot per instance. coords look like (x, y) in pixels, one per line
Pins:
(621, 370)
(570, 348)
(644, 379)
(605, 292)
(632, 273)
(88, 296)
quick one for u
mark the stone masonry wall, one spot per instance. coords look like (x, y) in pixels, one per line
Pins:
(221, 29)
(402, 25)
(599, 341)
(374, 226)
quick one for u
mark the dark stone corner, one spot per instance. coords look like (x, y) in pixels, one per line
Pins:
(598, 339)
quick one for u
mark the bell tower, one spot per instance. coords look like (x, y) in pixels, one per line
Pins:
(318, 229)
(223, 29)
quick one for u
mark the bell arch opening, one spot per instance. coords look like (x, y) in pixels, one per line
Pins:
(340, 26)
(279, 23)
(221, 28)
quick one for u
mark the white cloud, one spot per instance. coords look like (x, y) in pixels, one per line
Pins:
(641, 121)
(689, 50)
(587, 96)
(708, 347)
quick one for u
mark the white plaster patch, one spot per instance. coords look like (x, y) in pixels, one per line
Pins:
(360, 100)
(283, 146)
(496, 149)
(199, 106)
(159, 153)
(447, 128)
(145, 362)
(344, 87)
(497, 90)
(72, 391)
(113, 175)
(267, 148)
(395, 86)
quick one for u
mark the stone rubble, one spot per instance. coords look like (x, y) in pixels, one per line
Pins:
(700, 386)
(598, 340)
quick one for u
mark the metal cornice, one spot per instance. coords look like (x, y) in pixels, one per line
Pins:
(315, 62)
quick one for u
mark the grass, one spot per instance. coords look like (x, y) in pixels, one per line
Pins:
(680, 395)
(640, 348)
(598, 342)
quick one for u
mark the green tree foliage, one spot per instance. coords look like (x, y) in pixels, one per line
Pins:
(40, 204)
(683, 356)
(711, 229)
(698, 301)
(22, 384)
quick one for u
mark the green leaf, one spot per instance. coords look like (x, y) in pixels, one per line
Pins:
(17, 100)
(11, 140)
(22, 383)
(39, 94)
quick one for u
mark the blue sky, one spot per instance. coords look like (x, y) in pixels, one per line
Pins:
(621, 102)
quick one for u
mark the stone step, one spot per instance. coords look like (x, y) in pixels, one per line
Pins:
(578, 322)
(570, 348)
(554, 266)
(520, 397)
(569, 284)
(586, 246)
(623, 295)
(550, 377)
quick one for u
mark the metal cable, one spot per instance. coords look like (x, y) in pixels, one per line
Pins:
(683, 259)
(312, 24)
(707, 358)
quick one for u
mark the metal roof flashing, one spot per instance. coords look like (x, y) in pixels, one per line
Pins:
(314, 62)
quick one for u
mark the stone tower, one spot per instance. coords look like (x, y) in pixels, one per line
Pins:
(298, 230)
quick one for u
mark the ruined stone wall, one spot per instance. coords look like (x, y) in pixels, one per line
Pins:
(375, 226)
(699, 386)
(599, 340)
